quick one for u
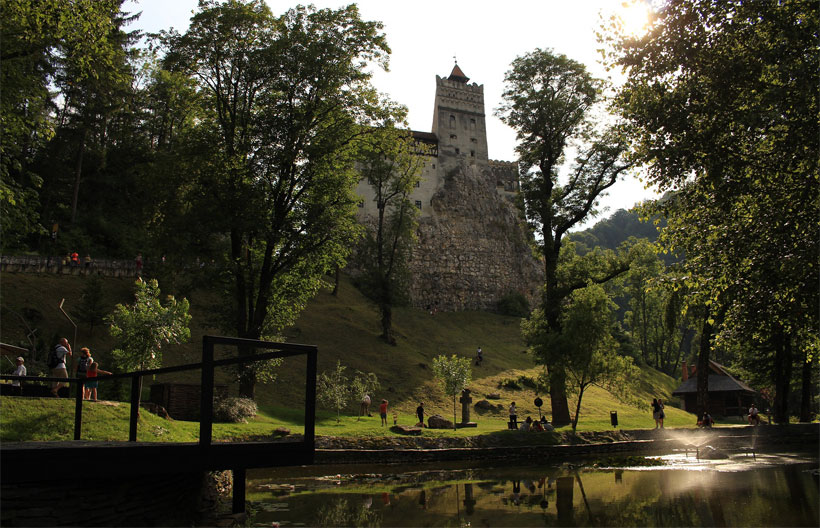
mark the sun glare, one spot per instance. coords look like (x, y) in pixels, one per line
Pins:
(635, 17)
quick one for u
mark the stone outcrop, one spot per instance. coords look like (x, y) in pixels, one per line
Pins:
(439, 422)
(473, 251)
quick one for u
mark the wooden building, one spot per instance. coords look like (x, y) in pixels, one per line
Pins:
(728, 396)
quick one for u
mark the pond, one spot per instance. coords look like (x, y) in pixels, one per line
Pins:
(673, 490)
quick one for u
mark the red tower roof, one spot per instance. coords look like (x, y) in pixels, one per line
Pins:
(458, 75)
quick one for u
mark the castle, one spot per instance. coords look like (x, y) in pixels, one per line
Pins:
(472, 247)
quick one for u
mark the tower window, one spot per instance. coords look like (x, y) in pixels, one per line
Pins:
(434, 165)
(417, 184)
(453, 136)
(418, 204)
(458, 151)
(473, 140)
(472, 153)
(472, 124)
(452, 121)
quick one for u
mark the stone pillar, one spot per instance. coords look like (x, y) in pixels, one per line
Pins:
(465, 409)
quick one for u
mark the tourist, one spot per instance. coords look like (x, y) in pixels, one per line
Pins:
(364, 409)
(383, 412)
(57, 364)
(479, 357)
(80, 371)
(656, 412)
(420, 414)
(662, 414)
(537, 426)
(513, 416)
(707, 420)
(87, 262)
(92, 382)
(526, 425)
(754, 417)
(75, 260)
(19, 371)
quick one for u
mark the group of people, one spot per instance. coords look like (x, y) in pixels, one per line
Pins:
(86, 368)
(657, 413)
(528, 424)
(364, 410)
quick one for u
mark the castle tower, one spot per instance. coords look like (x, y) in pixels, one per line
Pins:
(458, 117)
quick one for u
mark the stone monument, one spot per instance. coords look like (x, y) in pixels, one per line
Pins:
(465, 409)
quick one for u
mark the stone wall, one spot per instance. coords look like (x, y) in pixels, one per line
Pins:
(70, 498)
(473, 250)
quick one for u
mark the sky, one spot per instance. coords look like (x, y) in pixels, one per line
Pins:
(426, 35)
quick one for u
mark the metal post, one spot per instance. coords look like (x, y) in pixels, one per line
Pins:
(310, 399)
(135, 408)
(206, 408)
(78, 410)
(238, 505)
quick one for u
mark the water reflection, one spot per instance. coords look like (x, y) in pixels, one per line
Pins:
(771, 491)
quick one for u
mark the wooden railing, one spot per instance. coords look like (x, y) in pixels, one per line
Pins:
(207, 366)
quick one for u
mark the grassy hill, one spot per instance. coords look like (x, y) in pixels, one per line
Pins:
(345, 328)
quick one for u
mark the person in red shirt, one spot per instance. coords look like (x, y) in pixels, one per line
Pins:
(75, 260)
(383, 411)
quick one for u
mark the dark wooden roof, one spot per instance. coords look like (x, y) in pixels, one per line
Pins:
(719, 381)
(458, 75)
(426, 137)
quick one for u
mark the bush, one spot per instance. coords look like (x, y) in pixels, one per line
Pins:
(234, 410)
(515, 304)
(510, 384)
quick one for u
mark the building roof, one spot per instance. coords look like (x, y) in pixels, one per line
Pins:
(719, 381)
(427, 137)
(458, 75)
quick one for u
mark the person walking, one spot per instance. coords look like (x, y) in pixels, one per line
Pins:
(57, 364)
(420, 413)
(383, 412)
(479, 357)
(662, 414)
(19, 371)
(656, 412)
(81, 369)
(364, 408)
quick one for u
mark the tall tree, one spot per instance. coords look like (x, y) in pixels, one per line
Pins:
(390, 167)
(455, 374)
(722, 104)
(549, 101)
(286, 100)
(41, 41)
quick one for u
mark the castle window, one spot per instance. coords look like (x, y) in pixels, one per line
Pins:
(473, 140)
(472, 153)
(453, 136)
(452, 121)
(458, 150)
(472, 124)
(417, 184)
(434, 165)
(418, 204)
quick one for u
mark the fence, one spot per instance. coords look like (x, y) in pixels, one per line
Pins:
(207, 366)
(38, 264)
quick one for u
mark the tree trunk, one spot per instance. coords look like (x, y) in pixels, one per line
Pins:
(78, 171)
(387, 323)
(577, 410)
(782, 376)
(247, 379)
(806, 392)
(558, 397)
(335, 291)
(703, 366)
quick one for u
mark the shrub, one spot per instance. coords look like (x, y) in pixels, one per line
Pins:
(515, 304)
(510, 384)
(234, 410)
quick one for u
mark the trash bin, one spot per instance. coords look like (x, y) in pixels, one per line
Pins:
(613, 418)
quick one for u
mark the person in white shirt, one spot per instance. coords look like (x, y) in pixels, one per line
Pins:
(19, 371)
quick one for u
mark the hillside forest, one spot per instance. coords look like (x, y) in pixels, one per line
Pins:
(226, 157)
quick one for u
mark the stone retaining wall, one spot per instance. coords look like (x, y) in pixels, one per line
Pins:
(69, 499)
